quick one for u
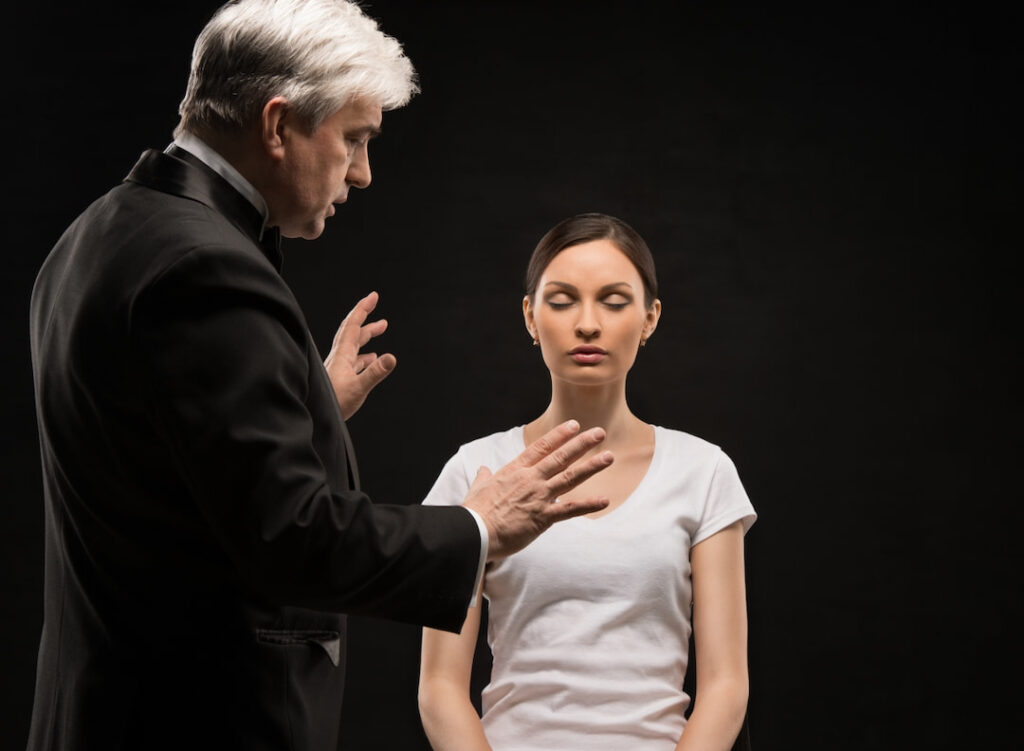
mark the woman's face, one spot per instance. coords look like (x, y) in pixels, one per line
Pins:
(588, 314)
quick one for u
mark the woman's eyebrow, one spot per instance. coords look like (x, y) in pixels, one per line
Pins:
(615, 286)
(563, 285)
(610, 287)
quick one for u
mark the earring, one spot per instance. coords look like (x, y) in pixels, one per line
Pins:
(536, 342)
(643, 342)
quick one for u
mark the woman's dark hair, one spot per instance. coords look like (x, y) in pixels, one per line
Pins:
(584, 228)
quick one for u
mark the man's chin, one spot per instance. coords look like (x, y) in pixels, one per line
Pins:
(307, 232)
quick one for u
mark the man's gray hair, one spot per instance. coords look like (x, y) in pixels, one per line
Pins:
(317, 54)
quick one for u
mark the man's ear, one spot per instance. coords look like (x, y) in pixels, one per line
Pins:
(275, 120)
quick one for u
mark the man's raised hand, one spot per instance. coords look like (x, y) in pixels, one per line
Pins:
(354, 374)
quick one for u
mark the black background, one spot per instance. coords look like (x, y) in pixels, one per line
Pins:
(832, 199)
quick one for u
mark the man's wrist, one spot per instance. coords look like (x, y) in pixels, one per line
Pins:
(485, 542)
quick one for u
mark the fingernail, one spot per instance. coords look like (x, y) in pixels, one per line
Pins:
(573, 425)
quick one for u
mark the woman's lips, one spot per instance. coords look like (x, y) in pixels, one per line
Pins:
(587, 355)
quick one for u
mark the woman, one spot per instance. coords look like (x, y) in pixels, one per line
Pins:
(589, 625)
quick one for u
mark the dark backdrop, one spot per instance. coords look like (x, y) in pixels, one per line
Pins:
(831, 197)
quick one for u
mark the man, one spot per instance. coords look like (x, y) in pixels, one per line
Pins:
(204, 525)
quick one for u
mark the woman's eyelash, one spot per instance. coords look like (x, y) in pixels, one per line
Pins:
(563, 305)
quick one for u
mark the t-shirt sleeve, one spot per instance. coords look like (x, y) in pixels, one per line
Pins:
(726, 502)
(451, 485)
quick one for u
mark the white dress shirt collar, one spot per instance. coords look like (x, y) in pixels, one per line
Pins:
(201, 151)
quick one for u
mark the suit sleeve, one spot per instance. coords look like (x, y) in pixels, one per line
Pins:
(224, 348)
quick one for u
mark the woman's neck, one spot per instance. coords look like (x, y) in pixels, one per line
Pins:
(601, 406)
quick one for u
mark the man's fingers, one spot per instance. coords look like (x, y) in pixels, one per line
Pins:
(370, 330)
(363, 361)
(556, 512)
(360, 385)
(548, 443)
(351, 326)
(377, 371)
(573, 475)
(367, 304)
(568, 452)
(482, 475)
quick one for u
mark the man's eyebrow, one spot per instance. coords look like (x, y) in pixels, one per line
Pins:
(370, 131)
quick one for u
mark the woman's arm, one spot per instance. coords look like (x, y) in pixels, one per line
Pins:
(449, 717)
(720, 641)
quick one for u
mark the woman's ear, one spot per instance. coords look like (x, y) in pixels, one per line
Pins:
(531, 326)
(651, 320)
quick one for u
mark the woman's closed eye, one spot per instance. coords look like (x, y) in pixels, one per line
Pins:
(563, 300)
(616, 301)
(559, 301)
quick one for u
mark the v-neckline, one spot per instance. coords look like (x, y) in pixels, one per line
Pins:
(655, 453)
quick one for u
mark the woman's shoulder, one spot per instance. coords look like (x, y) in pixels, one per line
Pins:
(500, 448)
(683, 447)
(701, 465)
(680, 440)
(492, 451)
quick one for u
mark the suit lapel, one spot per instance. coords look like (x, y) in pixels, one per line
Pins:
(180, 173)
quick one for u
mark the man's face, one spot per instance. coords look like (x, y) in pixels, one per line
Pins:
(319, 167)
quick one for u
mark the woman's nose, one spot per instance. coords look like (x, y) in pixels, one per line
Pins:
(587, 326)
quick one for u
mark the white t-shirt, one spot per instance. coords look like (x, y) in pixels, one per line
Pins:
(589, 625)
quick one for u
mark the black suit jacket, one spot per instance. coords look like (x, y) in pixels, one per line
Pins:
(203, 532)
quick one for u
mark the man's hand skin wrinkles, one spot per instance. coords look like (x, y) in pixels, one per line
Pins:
(520, 500)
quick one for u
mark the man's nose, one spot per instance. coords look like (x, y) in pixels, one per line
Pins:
(358, 174)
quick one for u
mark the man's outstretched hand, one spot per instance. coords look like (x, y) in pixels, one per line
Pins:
(354, 374)
(520, 500)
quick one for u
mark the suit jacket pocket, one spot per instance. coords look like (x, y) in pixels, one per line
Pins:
(304, 682)
(328, 641)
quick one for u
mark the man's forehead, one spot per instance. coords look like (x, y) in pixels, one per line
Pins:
(360, 114)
